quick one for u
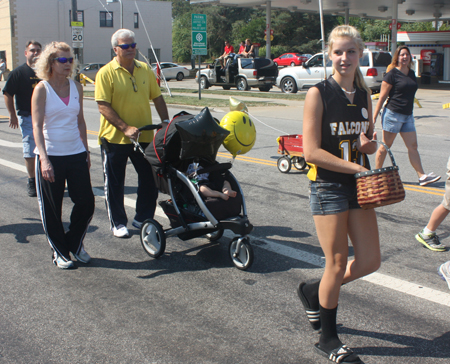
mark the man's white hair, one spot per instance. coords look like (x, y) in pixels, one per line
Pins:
(121, 33)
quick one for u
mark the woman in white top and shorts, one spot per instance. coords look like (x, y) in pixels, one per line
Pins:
(62, 153)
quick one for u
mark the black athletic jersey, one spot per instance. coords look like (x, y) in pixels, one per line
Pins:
(401, 95)
(21, 83)
(342, 122)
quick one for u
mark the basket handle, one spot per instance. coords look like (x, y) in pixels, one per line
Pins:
(380, 170)
(388, 150)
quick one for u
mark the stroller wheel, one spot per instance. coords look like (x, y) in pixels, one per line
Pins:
(241, 253)
(216, 235)
(153, 238)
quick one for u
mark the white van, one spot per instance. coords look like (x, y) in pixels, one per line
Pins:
(373, 66)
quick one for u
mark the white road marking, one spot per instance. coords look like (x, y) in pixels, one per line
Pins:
(17, 167)
(411, 289)
(5, 143)
(93, 144)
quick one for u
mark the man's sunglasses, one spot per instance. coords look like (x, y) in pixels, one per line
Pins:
(64, 59)
(126, 46)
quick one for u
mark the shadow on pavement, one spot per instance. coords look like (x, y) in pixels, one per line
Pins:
(22, 231)
(411, 346)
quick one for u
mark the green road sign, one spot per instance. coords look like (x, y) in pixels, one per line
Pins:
(199, 22)
(199, 45)
(200, 52)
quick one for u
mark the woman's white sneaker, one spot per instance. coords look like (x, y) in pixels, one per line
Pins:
(428, 178)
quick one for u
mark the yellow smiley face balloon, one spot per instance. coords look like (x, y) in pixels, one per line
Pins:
(242, 130)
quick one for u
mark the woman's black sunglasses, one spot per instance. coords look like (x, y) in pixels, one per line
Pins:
(64, 59)
(126, 46)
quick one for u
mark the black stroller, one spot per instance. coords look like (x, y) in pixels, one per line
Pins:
(185, 140)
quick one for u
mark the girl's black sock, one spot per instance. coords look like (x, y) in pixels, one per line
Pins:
(329, 339)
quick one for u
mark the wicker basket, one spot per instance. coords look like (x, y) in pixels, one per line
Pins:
(380, 187)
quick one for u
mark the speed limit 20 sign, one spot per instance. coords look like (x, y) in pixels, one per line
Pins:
(77, 37)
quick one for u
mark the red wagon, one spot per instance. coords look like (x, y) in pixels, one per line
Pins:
(291, 148)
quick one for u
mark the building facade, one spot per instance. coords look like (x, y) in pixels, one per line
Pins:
(51, 20)
(432, 50)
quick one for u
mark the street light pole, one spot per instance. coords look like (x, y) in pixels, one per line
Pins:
(121, 10)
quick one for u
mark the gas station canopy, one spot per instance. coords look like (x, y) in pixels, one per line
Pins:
(397, 11)
(407, 10)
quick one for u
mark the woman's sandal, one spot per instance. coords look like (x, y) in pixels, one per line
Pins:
(312, 314)
(342, 354)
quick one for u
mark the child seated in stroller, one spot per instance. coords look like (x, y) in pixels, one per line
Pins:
(207, 187)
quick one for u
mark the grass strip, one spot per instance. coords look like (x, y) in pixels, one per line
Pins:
(194, 101)
(259, 94)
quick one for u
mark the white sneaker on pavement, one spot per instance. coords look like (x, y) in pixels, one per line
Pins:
(121, 231)
(61, 263)
(82, 256)
(428, 178)
(444, 272)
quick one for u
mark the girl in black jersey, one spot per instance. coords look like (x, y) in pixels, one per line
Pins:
(399, 86)
(337, 129)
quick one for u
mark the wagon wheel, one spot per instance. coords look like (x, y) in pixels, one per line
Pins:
(284, 164)
(299, 163)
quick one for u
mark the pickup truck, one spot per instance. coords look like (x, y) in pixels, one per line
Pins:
(242, 73)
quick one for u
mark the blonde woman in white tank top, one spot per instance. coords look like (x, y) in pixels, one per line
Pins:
(62, 153)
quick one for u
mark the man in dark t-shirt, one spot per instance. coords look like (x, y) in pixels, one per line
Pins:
(21, 83)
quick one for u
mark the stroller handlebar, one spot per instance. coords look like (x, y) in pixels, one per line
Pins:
(146, 127)
(150, 127)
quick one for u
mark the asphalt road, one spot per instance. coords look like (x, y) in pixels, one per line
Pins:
(191, 305)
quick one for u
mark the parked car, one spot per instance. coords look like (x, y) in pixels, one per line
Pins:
(172, 71)
(242, 73)
(90, 69)
(290, 59)
(373, 66)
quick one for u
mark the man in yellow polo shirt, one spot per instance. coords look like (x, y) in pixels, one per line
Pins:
(123, 89)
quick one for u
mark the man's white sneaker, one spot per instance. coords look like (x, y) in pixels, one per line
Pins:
(61, 263)
(136, 224)
(121, 232)
(82, 256)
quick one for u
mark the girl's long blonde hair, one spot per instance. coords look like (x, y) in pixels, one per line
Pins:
(347, 31)
(48, 55)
